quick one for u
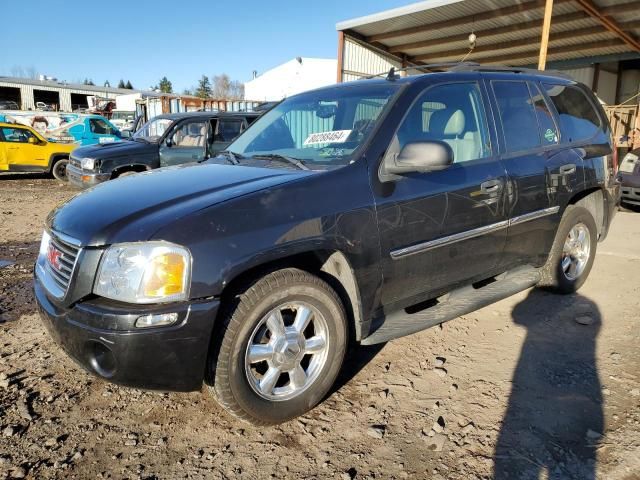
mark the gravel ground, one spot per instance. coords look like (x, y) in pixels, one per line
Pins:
(535, 386)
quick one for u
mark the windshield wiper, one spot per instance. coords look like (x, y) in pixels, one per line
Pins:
(277, 156)
(232, 157)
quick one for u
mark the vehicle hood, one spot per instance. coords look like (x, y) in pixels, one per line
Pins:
(115, 149)
(133, 208)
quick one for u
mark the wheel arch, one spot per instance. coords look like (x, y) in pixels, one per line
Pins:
(593, 200)
(54, 157)
(330, 265)
(130, 167)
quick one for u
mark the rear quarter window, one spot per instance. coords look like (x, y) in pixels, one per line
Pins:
(578, 117)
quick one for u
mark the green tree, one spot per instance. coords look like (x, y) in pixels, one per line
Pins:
(121, 84)
(204, 87)
(165, 85)
(88, 81)
(128, 85)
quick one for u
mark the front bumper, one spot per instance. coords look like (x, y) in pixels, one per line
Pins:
(631, 195)
(81, 179)
(100, 336)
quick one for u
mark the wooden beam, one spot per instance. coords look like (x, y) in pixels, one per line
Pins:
(489, 32)
(340, 55)
(609, 23)
(493, 47)
(552, 51)
(466, 20)
(546, 28)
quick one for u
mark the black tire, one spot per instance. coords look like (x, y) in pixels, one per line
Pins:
(554, 277)
(227, 377)
(59, 169)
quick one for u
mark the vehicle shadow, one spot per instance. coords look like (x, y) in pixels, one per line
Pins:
(554, 418)
(24, 176)
(356, 358)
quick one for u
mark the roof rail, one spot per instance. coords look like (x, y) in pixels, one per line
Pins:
(476, 67)
(427, 67)
(464, 67)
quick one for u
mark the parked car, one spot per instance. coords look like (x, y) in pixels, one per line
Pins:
(82, 129)
(165, 140)
(361, 212)
(23, 149)
(43, 107)
(8, 105)
(629, 175)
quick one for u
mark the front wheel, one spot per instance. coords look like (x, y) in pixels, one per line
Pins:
(573, 251)
(59, 169)
(280, 349)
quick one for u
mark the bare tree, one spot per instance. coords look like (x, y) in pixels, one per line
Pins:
(24, 72)
(225, 88)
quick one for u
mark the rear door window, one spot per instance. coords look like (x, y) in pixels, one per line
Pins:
(228, 130)
(518, 115)
(578, 118)
(548, 129)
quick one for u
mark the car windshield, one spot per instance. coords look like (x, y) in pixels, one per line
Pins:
(322, 128)
(153, 130)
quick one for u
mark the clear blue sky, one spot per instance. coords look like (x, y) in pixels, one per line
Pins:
(144, 40)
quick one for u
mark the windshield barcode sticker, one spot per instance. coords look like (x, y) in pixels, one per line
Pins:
(335, 136)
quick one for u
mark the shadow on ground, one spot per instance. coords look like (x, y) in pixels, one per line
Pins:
(554, 417)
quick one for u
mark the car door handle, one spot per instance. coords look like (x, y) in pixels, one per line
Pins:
(567, 169)
(491, 186)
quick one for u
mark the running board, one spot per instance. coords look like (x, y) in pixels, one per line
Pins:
(455, 303)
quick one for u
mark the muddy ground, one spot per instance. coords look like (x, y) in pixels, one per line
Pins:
(536, 386)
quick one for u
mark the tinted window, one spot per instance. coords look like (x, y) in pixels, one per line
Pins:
(548, 129)
(228, 130)
(16, 135)
(452, 113)
(578, 118)
(518, 116)
(100, 127)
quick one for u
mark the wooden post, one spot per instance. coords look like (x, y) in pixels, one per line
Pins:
(596, 77)
(546, 27)
(340, 55)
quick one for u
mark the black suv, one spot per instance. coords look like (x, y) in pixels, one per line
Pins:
(165, 140)
(360, 212)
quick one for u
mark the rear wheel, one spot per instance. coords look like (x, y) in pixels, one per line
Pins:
(280, 349)
(59, 169)
(572, 253)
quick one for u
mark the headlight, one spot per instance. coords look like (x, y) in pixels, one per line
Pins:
(149, 272)
(631, 157)
(44, 244)
(88, 163)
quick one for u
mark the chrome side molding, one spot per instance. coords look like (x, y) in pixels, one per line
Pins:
(476, 232)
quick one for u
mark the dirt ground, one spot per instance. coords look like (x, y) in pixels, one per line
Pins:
(535, 386)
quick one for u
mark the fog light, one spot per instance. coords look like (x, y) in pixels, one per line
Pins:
(156, 320)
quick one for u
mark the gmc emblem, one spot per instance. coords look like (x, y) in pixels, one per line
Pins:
(54, 255)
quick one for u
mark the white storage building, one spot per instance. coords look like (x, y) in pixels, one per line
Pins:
(297, 75)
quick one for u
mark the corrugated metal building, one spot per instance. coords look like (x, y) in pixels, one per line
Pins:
(62, 96)
(595, 41)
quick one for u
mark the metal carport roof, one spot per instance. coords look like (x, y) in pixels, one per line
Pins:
(508, 32)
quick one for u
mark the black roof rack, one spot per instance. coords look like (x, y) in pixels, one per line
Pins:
(465, 67)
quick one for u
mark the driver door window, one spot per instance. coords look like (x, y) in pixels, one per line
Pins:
(450, 113)
(186, 143)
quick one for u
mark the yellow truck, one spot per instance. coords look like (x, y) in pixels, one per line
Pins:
(23, 149)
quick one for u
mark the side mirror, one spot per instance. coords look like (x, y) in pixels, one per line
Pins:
(126, 133)
(419, 157)
(169, 142)
(32, 140)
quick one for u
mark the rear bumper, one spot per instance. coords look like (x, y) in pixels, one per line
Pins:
(81, 179)
(101, 338)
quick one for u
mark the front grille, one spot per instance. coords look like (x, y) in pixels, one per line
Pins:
(61, 261)
(74, 161)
